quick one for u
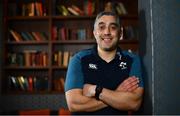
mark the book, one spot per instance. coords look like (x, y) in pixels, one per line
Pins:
(89, 7)
(25, 36)
(31, 9)
(30, 83)
(17, 37)
(77, 9)
(73, 34)
(63, 10)
(55, 58)
(20, 59)
(89, 33)
(81, 34)
(36, 36)
(129, 32)
(59, 61)
(40, 83)
(63, 33)
(108, 7)
(13, 83)
(65, 58)
(44, 58)
(43, 35)
(30, 58)
(122, 7)
(72, 11)
(54, 33)
(30, 36)
(57, 85)
(12, 58)
(39, 8)
(62, 81)
(21, 82)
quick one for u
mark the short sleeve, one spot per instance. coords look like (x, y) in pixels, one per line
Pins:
(136, 70)
(74, 77)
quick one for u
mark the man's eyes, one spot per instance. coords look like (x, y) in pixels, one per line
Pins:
(102, 27)
(112, 27)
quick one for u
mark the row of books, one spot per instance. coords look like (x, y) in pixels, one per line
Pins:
(88, 9)
(66, 34)
(58, 84)
(63, 33)
(117, 7)
(28, 58)
(130, 32)
(27, 36)
(28, 83)
(35, 8)
(61, 58)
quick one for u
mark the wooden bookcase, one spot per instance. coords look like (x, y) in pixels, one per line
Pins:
(32, 65)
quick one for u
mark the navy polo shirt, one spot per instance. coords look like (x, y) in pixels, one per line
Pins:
(87, 67)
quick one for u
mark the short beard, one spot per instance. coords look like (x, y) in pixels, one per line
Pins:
(114, 47)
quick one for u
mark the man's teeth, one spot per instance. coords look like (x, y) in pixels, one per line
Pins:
(106, 38)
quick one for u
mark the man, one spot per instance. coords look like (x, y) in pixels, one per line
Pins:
(104, 79)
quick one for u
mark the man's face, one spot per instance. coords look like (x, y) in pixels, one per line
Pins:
(106, 32)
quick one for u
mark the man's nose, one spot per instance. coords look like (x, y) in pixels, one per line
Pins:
(107, 31)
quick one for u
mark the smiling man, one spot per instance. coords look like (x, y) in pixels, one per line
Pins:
(104, 79)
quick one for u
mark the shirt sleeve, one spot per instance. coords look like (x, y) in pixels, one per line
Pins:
(136, 70)
(74, 76)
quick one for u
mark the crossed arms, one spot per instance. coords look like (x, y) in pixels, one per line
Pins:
(127, 96)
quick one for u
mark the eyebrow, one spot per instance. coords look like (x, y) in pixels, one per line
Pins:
(101, 23)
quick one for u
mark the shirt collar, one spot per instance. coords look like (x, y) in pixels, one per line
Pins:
(118, 53)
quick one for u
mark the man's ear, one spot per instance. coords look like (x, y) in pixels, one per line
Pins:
(94, 33)
(121, 33)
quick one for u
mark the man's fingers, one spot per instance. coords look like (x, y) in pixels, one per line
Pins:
(134, 83)
(130, 81)
(129, 84)
(132, 88)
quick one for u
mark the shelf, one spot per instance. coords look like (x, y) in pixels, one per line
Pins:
(73, 17)
(27, 68)
(28, 17)
(74, 42)
(59, 67)
(27, 42)
(126, 16)
(19, 92)
(128, 41)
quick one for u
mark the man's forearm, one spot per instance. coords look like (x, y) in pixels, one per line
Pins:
(78, 102)
(122, 100)
(89, 106)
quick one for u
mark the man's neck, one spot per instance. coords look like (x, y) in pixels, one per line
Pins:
(107, 55)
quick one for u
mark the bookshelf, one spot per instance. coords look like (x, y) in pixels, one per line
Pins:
(40, 37)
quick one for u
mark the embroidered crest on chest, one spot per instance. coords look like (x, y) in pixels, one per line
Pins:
(93, 66)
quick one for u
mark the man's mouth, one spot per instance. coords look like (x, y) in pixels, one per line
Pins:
(107, 39)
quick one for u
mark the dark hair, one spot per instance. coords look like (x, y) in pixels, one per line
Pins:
(108, 14)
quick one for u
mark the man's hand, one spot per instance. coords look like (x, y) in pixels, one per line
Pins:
(89, 90)
(128, 85)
